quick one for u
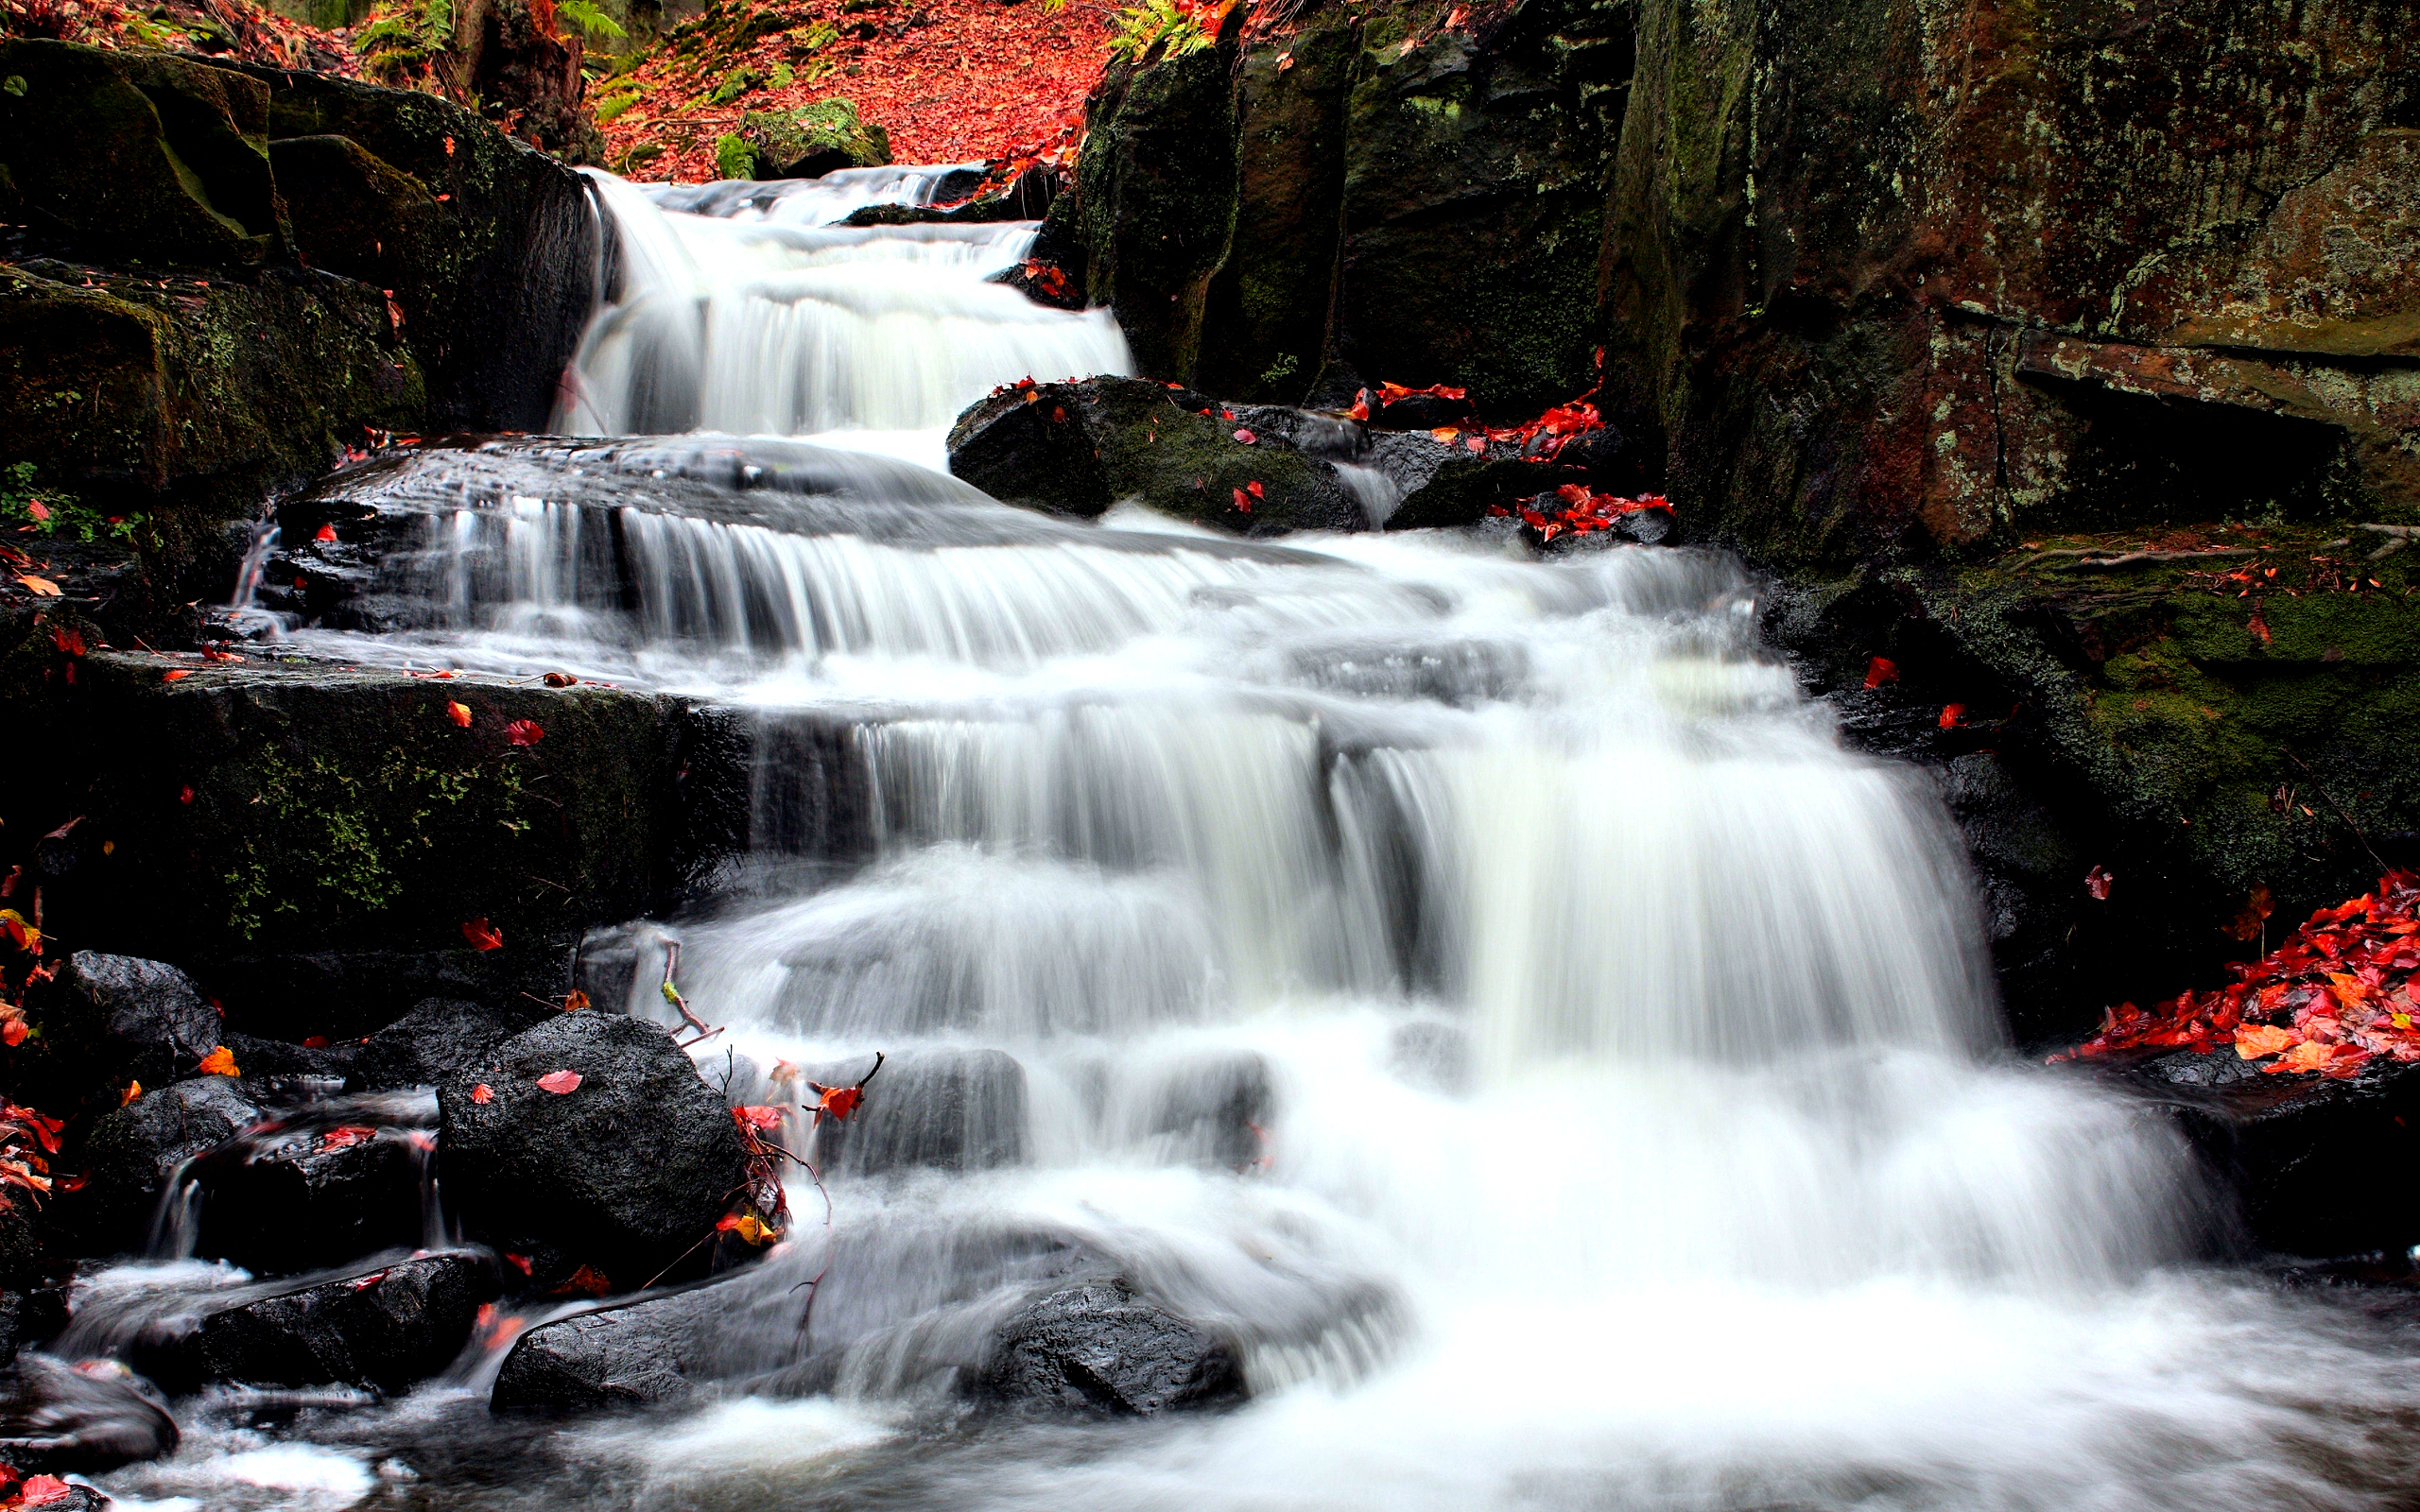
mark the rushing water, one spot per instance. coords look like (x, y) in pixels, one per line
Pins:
(1486, 988)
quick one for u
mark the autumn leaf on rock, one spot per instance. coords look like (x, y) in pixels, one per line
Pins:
(748, 1227)
(482, 935)
(20, 934)
(1881, 670)
(1246, 437)
(2096, 882)
(1243, 500)
(219, 1062)
(175, 675)
(760, 1118)
(41, 1491)
(483, 1094)
(522, 732)
(133, 1091)
(459, 713)
(347, 1137)
(1952, 715)
(39, 586)
(586, 1281)
(560, 1083)
(2252, 1041)
(326, 533)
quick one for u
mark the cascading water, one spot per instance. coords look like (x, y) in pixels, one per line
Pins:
(1486, 988)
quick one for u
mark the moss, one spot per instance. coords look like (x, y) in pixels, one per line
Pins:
(813, 140)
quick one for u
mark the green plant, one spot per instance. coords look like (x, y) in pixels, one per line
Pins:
(52, 510)
(611, 105)
(1283, 368)
(736, 83)
(404, 43)
(592, 20)
(1171, 27)
(733, 157)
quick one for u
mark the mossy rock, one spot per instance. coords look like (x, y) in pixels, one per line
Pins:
(814, 140)
(1078, 448)
(137, 158)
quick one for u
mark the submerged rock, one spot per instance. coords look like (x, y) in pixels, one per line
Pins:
(385, 1329)
(1095, 1348)
(951, 1109)
(624, 1174)
(89, 1418)
(1213, 1109)
(133, 1153)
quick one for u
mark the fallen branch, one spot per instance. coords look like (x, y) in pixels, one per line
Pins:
(2154, 559)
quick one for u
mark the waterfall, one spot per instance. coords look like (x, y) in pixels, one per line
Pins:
(1486, 988)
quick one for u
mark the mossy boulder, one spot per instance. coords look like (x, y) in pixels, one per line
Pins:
(814, 140)
(1078, 448)
(137, 158)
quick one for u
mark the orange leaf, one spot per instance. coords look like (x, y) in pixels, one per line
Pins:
(482, 935)
(219, 1062)
(2308, 1056)
(560, 1083)
(173, 675)
(43, 587)
(459, 713)
(2254, 1040)
(13, 1033)
(133, 1091)
(574, 1000)
(483, 1094)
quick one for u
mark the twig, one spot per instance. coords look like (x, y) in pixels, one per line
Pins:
(2329, 799)
(2150, 558)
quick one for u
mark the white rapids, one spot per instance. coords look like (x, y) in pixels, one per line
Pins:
(1631, 1126)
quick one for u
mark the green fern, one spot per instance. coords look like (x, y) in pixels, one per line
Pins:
(592, 20)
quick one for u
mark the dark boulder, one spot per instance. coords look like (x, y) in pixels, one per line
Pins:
(31, 1317)
(626, 1174)
(385, 1329)
(637, 1354)
(1095, 1349)
(89, 1418)
(133, 1153)
(119, 1018)
(437, 1039)
(307, 1198)
(1077, 448)
(951, 1109)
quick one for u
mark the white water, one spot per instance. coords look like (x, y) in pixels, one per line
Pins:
(1633, 1125)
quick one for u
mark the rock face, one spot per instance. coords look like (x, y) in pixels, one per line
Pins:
(131, 1154)
(1094, 1349)
(310, 1200)
(387, 1329)
(366, 258)
(624, 1175)
(57, 1418)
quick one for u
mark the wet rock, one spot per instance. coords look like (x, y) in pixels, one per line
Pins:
(85, 1418)
(278, 1205)
(626, 1174)
(1077, 448)
(1095, 1349)
(814, 140)
(1213, 1109)
(133, 1153)
(1449, 484)
(120, 1018)
(30, 1318)
(2302, 1154)
(437, 1039)
(636, 1356)
(385, 1329)
(951, 1109)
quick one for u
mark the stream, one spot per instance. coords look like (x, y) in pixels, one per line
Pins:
(1628, 1122)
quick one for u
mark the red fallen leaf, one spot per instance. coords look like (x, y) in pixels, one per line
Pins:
(459, 713)
(13, 1033)
(38, 509)
(317, 1041)
(363, 1283)
(1881, 670)
(835, 1103)
(1361, 409)
(483, 1094)
(1390, 393)
(483, 935)
(1243, 500)
(1952, 715)
(1254, 489)
(184, 795)
(347, 1137)
(558, 680)
(763, 1119)
(560, 1083)
(449, 147)
(326, 533)
(574, 1000)
(1246, 437)
(586, 1281)
(524, 732)
(519, 1262)
(2096, 882)
(176, 674)
(41, 1490)
(69, 641)
(211, 654)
